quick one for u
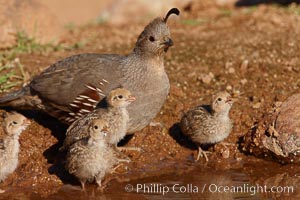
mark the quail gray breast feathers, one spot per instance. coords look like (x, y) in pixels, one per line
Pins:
(91, 158)
(14, 124)
(208, 125)
(75, 85)
(116, 115)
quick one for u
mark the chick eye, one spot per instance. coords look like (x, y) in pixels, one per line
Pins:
(14, 122)
(219, 99)
(151, 39)
(95, 127)
(120, 97)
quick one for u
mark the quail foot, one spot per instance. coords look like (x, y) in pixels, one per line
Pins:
(91, 158)
(75, 85)
(116, 115)
(14, 124)
(208, 125)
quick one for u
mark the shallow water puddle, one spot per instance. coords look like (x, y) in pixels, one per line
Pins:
(200, 183)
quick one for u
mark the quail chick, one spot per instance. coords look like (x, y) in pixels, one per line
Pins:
(208, 125)
(115, 114)
(14, 124)
(91, 158)
(80, 82)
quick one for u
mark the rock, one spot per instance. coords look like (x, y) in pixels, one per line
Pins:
(207, 78)
(277, 136)
(286, 133)
(244, 66)
(244, 81)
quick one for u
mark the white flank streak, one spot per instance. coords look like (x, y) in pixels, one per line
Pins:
(75, 101)
(84, 110)
(105, 80)
(72, 114)
(99, 90)
(68, 119)
(88, 104)
(83, 96)
(78, 98)
(101, 83)
(77, 117)
(79, 114)
(74, 105)
(53, 72)
(90, 87)
(92, 100)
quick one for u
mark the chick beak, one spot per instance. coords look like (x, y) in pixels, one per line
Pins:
(131, 99)
(26, 122)
(105, 131)
(229, 100)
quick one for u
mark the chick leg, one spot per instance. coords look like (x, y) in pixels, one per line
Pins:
(202, 153)
(129, 149)
(82, 184)
(226, 144)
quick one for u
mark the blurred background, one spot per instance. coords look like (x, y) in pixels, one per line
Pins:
(47, 20)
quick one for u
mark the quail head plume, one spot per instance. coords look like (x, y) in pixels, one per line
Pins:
(208, 125)
(76, 85)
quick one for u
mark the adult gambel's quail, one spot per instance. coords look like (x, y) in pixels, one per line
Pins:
(14, 124)
(116, 116)
(75, 85)
(208, 125)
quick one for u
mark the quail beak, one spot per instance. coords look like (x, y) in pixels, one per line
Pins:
(230, 100)
(166, 44)
(131, 99)
(105, 131)
(26, 122)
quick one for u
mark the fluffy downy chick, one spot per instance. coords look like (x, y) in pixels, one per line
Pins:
(208, 125)
(13, 125)
(91, 158)
(115, 114)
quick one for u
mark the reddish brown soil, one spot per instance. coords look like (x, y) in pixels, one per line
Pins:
(212, 46)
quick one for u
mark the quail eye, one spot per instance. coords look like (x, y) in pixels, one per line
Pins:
(96, 127)
(14, 122)
(219, 99)
(151, 39)
(120, 97)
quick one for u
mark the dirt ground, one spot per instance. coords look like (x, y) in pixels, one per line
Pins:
(252, 52)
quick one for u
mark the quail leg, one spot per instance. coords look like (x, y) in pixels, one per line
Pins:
(82, 184)
(99, 183)
(225, 144)
(127, 160)
(202, 153)
(121, 157)
(129, 149)
(98, 180)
